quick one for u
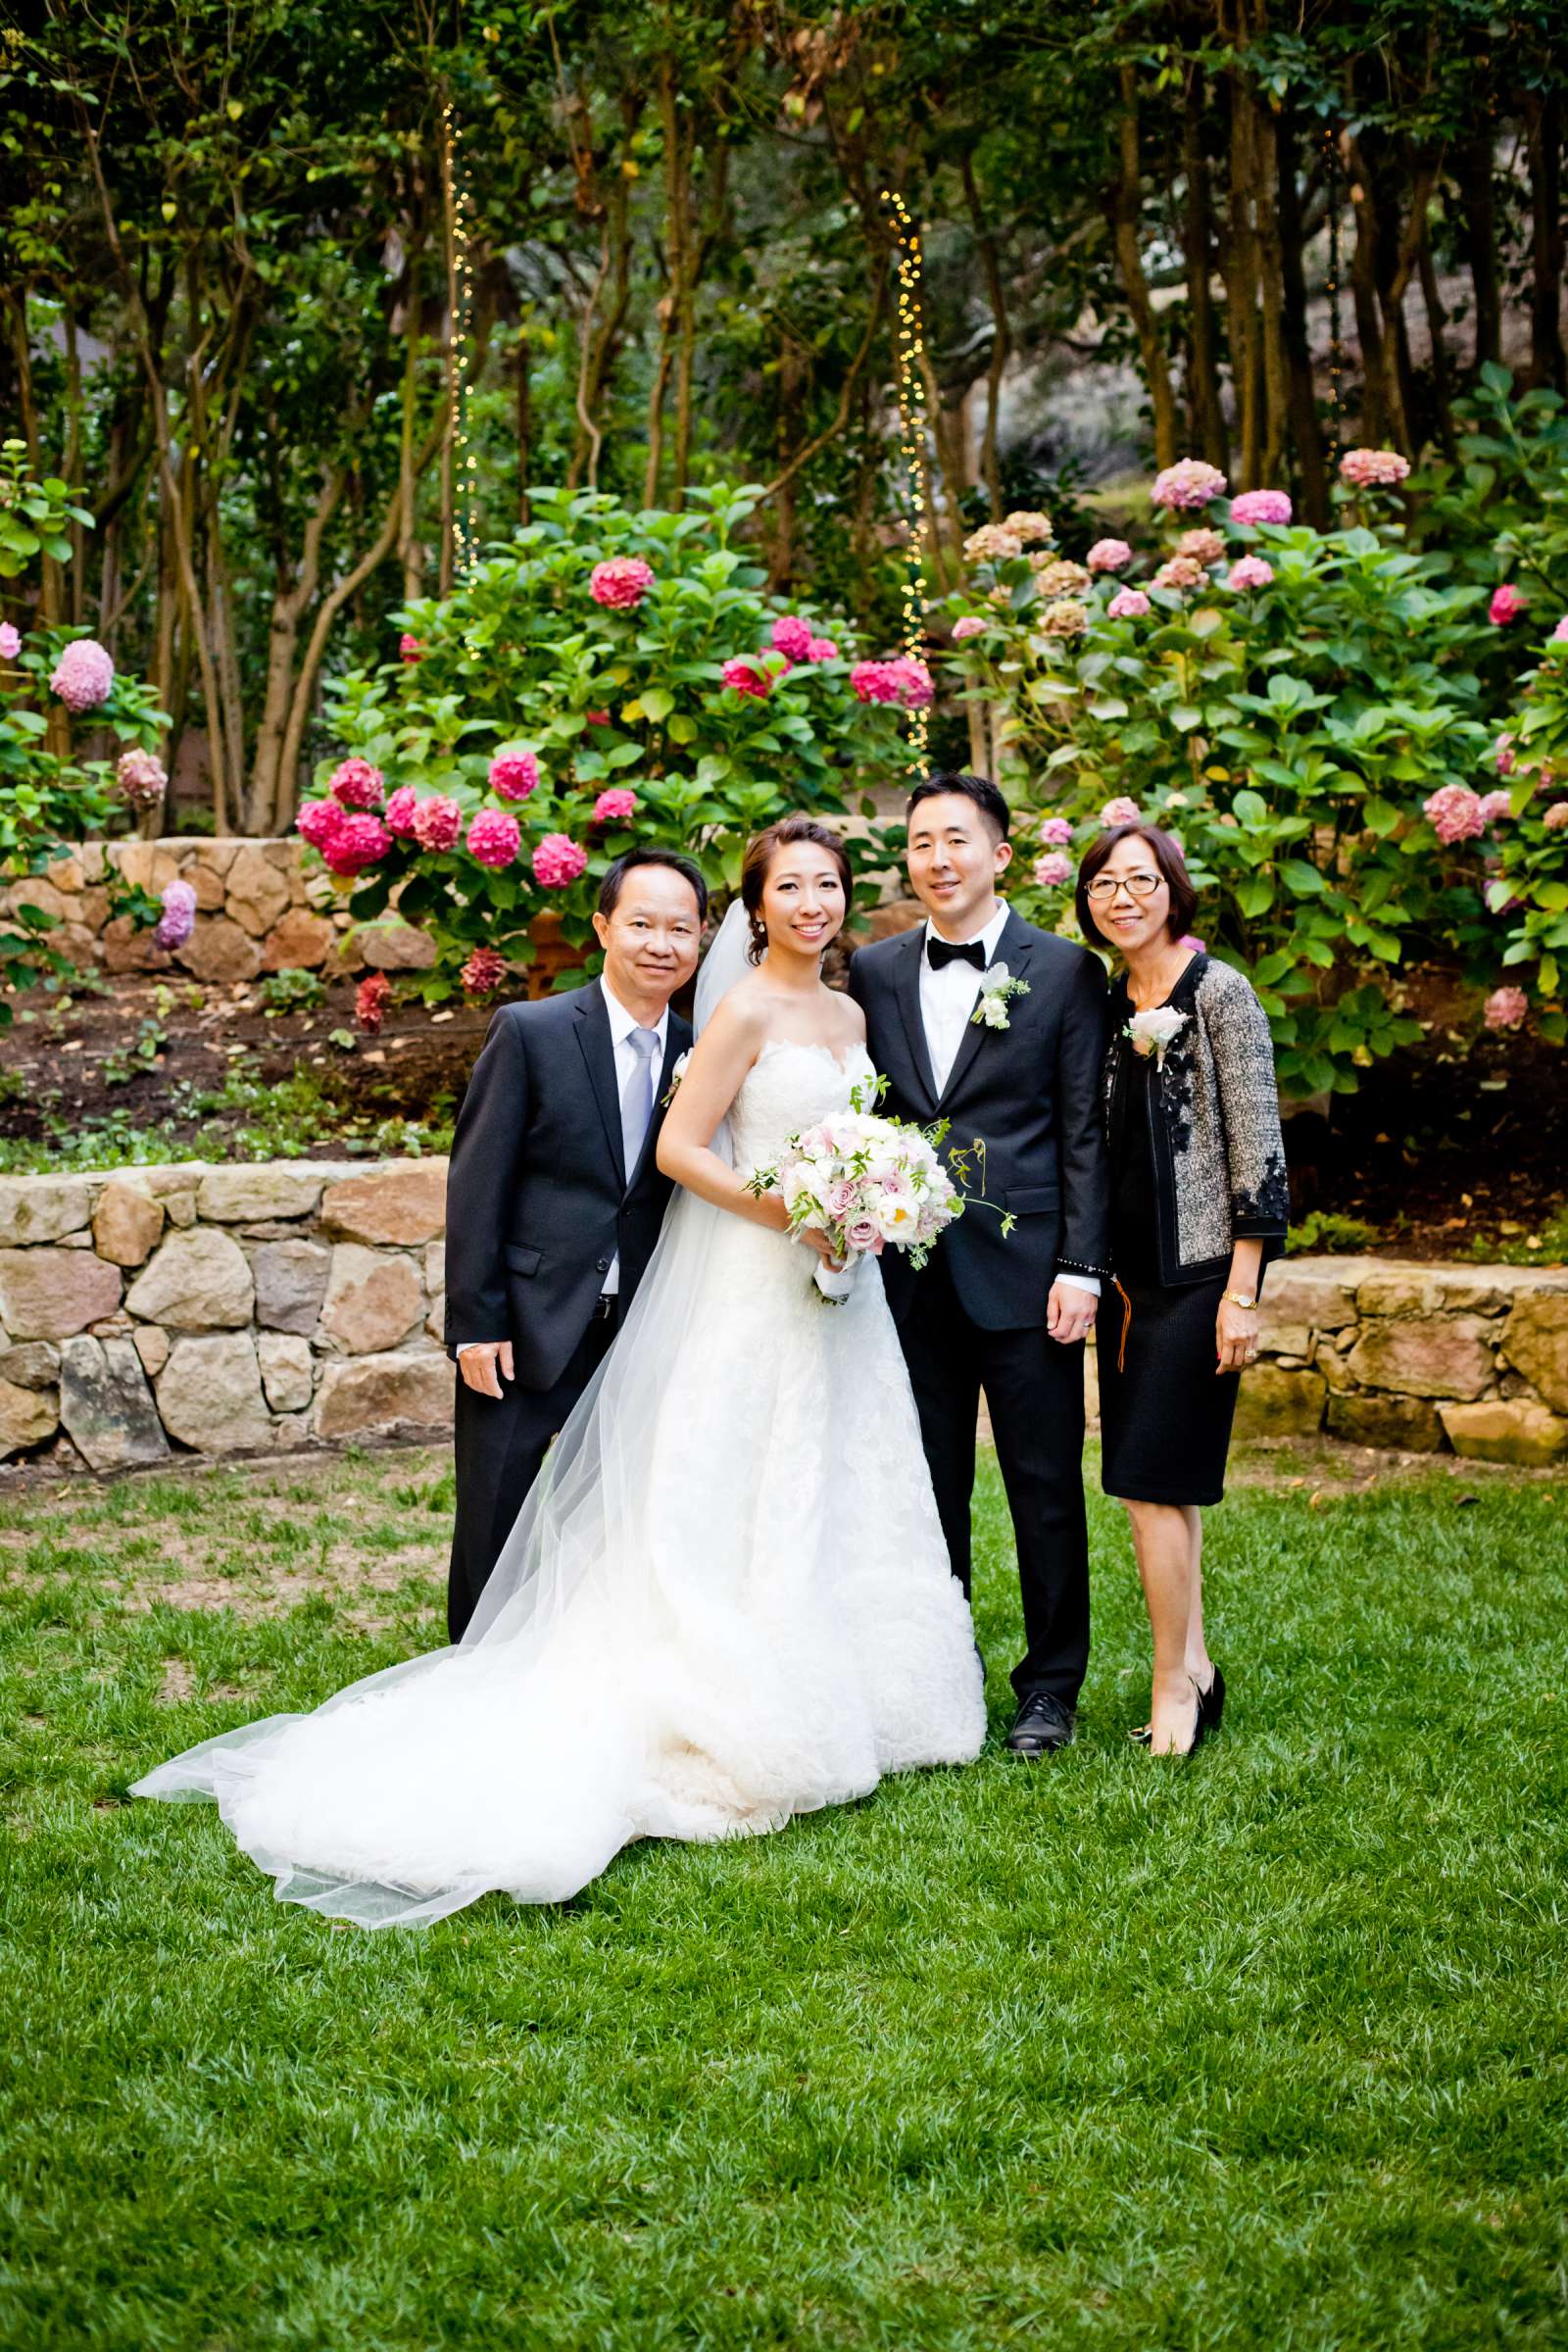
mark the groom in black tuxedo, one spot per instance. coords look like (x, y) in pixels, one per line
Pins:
(555, 1199)
(1008, 1315)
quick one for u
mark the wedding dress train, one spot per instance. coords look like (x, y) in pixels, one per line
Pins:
(726, 1601)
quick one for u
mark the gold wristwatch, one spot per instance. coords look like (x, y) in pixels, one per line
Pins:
(1239, 1299)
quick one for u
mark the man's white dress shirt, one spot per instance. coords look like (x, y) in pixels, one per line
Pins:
(947, 999)
(627, 1064)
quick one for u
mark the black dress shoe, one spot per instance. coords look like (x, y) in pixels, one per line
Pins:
(1042, 1725)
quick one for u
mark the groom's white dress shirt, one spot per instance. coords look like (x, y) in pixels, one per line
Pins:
(627, 1065)
(947, 1000)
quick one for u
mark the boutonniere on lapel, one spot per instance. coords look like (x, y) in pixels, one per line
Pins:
(678, 1071)
(1154, 1031)
(998, 988)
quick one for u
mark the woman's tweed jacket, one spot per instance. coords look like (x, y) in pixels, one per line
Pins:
(1219, 1158)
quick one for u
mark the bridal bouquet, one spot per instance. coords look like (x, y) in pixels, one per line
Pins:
(864, 1181)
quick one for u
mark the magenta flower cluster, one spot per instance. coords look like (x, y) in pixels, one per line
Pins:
(614, 807)
(1249, 571)
(437, 822)
(621, 583)
(1506, 605)
(85, 674)
(902, 680)
(356, 841)
(356, 784)
(398, 814)
(1372, 469)
(1254, 507)
(494, 838)
(1505, 1009)
(1187, 485)
(1455, 814)
(10, 642)
(1110, 555)
(1053, 869)
(178, 918)
(514, 775)
(557, 860)
(1056, 832)
(748, 677)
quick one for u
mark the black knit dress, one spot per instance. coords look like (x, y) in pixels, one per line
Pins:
(1166, 1412)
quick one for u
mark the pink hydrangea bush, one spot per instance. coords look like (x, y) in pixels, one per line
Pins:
(356, 784)
(1110, 555)
(1128, 604)
(494, 838)
(410, 649)
(1454, 813)
(1181, 573)
(142, 778)
(437, 822)
(1372, 469)
(1249, 571)
(1504, 755)
(1187, 486)
(514, 775)
(10, 642)
(968, 625)
(792, 637)
(358, 840)
(1028, 525)
(1205, 546)
(1052, 870)
(1120, 811)
(1556, 816)
(748, 679)
(178, 918)
(1494, 805)
(1505, 1009)
(1255, 506)
(620, 583)
(83, 677)
(821, 649)
(617, 806)
(318, 822)
(557, 860)
(1056, 832)
(1506, 606)
(873, 682)
(483, 972)
(398, 813)
(993, 543)
(1065, 618)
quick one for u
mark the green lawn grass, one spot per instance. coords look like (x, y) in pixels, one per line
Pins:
(1268, 2050)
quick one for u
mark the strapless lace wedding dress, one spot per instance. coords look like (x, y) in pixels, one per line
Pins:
(727, 1601)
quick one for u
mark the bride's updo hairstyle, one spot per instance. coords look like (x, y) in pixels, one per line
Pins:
(759, 854)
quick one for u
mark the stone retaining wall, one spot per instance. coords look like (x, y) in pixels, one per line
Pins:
(259, 1309)
(257, 911)
(220, 1310)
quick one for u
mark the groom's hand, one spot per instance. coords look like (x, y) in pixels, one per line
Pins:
(1069, 1312)
(478, 1366)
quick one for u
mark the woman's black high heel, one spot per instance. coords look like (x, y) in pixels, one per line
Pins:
(1211, 1705)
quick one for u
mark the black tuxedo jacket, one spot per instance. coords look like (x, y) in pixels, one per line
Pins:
(1030, 1093)
(538, 1199)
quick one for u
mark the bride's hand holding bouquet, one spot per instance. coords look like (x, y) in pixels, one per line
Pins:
(855, 1182)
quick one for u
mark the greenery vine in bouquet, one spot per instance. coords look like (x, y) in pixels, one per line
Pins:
(611, 677)
(1285, 700)
(54, 681)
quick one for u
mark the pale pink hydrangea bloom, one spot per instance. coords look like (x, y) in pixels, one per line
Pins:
(1120, 811)
(993, 543)
(356, 784)
(614, 807)
(971, 625)
(1505, 1009)
(1556, 816)
(1053, 869)
(1182, 571)
(1249, 571)
(1494, 805)
(913, 681)
(1066, 618)
(1560, 631)
(178, 918)
(621, 583)
(437, 822)
(747, 677)
(398, 814)
(1455, 814)
(1030, 525)
(821, 649)
(559, 859)
(10, 642)
(1110, 555)
(792, 637)
(1254, 507)
(318, 822)
(1128, 604)
(1506, 605)
(1372, 469)
(494, 838)
(1187, 485)
(514, 774)
(874, 682)
(143, 780)
(1205, 546)
(1503, 753)
(1059, 576)
(85, 674)
(1056, 832)
(358, 841)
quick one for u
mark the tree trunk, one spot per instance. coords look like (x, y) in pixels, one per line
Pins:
(1126, 210)
(1382, 413)
(1479, 236)
(1198, 237)
(1436, 320)
(272, 791)
(1302, 392)
(1001, 338)
(411, 555)
(1544, 122)
(1242, 254)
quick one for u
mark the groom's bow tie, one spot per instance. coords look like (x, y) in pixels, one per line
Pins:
(942, 951)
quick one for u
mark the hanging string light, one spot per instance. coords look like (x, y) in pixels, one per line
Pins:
(912, 445)
(465, 466)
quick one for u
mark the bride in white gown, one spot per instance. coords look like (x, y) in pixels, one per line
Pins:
(727, 1598)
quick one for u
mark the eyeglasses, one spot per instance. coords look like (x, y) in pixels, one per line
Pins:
(1141, 885)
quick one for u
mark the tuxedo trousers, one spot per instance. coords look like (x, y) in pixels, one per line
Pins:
(499, 1443)
(1034, 1390)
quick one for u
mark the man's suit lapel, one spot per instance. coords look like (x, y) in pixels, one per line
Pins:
(906, 988)
(1014, 949)
(599, 1053)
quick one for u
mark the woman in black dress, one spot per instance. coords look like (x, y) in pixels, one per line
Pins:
(1198, 1206)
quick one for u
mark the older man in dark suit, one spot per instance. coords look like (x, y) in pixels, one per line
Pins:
(555, 1199)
